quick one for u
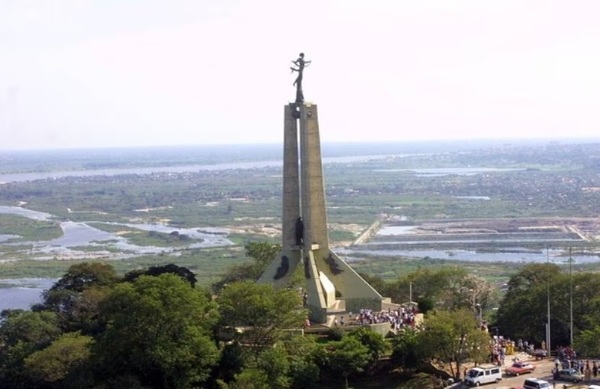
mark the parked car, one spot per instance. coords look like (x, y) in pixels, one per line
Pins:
(519, 368)
(534, 383)
(570, 375)
(538, 353)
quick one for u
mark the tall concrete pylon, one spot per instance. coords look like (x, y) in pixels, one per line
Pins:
(332, 286)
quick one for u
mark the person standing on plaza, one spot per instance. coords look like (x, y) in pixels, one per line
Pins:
(587, 373)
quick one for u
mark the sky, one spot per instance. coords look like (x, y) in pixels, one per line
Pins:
(121, 73)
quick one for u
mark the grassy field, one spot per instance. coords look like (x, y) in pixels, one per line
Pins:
(522, 180)
(208, 264)
(28, 229)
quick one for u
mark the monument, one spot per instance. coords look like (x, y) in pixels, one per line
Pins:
(332, 286)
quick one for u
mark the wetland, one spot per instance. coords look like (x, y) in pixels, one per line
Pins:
(467, 204)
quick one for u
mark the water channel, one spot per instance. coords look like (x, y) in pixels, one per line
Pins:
(506, 254)
(21, 293)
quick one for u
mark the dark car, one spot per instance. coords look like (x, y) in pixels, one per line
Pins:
(538, 353)
(519, 368)
(570, 375)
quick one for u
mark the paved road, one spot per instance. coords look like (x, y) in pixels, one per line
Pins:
(543, 370)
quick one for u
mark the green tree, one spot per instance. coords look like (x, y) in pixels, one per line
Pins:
(348, 356)
(426, 283)
(22, 333)
(372, 340)
(76, 295)
(291, 363)
(453, 337)
(587, 343)
(65, 358)
(262, 311)
(449, 287)
(276, 366)
(250, 379)
(376, 282)
(261, 255)
(405, 349)
(586, 301)
(231, 363)
(83, 275)
(303, 353)
(523, 310)
(77, 311)
(424, 381)
(183, 272)
(158, 329)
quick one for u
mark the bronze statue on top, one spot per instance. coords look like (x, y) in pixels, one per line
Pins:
(300, 65)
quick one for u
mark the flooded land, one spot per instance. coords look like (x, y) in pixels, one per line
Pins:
(464, 202)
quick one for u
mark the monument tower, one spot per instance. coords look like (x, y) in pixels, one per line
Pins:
(332, 285)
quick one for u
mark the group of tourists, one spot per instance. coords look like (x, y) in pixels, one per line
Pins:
(566, 358)
(524, 345)
(501, 347)
(566, 355)
(399, 318)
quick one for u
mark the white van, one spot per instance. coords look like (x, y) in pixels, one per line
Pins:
(534, 383)
(483, 375)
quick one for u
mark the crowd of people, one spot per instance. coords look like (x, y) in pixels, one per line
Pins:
(501, 347)
(566, 358)
(399, 318)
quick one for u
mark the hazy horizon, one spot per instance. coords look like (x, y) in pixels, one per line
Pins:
(103, 74)
(399, 145)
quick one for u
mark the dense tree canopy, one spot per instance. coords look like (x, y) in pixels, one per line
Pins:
(444, 288)
(183, 272)
(523, 312)
(83, 275)
(453, 337)
(153, 329)
(405, 349)
(22, 333)
(159, 329)
(76, 295)
(64, 363)
(303, 354)
(260, 255)
(260, 311)
(372, 340)
(348, 356)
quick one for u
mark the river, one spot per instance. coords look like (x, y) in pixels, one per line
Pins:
(23, 177)
(516, 255)
(22, 293)
(81, 234)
